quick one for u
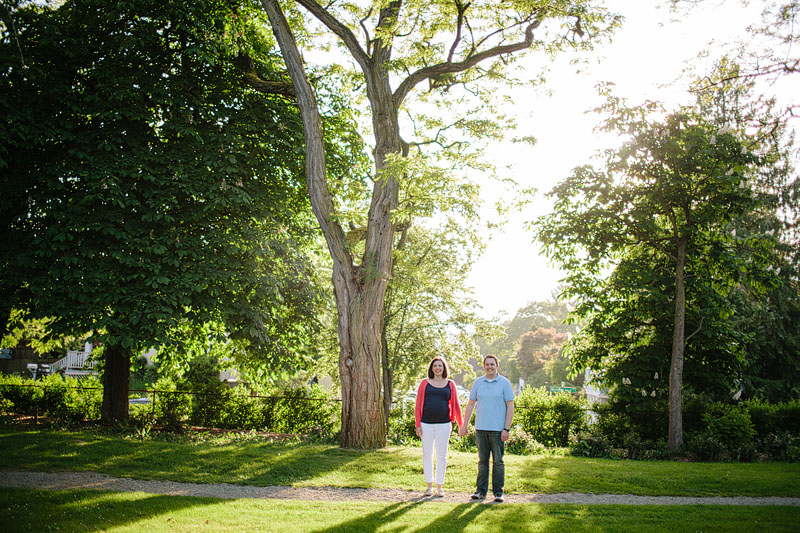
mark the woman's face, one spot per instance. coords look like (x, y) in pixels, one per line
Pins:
(438, 368)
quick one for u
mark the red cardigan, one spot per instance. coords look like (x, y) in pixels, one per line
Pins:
(455, 406)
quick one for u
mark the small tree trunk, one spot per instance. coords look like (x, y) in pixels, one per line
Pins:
(116, 385)
(675, 438)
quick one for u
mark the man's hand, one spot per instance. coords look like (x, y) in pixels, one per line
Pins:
(462, 430)
(504, 435)
(419, 431)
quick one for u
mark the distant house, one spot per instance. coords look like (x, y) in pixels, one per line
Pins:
(594, 393)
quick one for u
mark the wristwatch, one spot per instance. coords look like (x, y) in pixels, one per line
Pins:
(506, 429)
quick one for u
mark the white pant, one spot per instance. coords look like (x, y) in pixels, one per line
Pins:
(438, 435)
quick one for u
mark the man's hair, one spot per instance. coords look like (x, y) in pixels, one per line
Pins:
(430, 367)
(491, 356)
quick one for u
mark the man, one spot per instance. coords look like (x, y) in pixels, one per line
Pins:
(494, 398)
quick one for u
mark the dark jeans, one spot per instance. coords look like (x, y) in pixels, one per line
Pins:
(489, 443)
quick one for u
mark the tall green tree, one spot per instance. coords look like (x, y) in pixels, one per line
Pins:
(145, 186)
(767, 315)
(397, 46)
(667, 196)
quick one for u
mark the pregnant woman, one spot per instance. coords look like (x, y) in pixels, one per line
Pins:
(436, 409)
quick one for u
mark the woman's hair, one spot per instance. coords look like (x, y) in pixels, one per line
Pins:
(430, 367)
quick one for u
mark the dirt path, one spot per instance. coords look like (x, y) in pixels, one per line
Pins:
(91, 480)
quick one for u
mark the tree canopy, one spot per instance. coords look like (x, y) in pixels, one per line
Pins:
(658, 218)
(145, 185)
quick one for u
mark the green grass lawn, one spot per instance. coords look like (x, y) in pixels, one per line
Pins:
(258, 462)
(86, 510)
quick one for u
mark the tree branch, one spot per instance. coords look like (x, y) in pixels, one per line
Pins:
(450, 68)
(344, 33)
(459, 24)
(282, 88)
(695, 332)
(318, 191)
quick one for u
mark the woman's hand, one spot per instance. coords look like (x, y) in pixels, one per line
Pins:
(419, 431)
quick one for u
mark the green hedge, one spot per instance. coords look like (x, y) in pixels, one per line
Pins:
(67, 400)
(713, 431)
(64, 400)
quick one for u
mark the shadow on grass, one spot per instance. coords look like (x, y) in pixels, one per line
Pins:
(84, 510)
(456, 519)
(252, 463)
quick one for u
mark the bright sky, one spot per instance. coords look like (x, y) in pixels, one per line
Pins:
(647, 54)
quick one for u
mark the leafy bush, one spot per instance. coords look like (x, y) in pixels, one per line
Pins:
(465, 443)
(774, 418)
(549, 418)
(402, 426)
(730, 425)
(64, 400)
(521, 443)
(705, 446)
(591, 442)
(26, 396)
(307, 411)
(171, 406)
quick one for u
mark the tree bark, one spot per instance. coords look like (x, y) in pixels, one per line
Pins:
(116, 385)
(675, 437)
(387, 378)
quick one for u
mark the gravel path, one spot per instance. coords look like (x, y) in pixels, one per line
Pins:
(91, 480)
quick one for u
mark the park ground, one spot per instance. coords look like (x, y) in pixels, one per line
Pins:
(89, 481)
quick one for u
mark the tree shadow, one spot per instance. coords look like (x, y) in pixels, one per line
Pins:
(84, 510)
(253, 463)
(457, 519)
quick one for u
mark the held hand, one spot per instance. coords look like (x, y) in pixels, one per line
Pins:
(504, 435)
(419, 431)
(462, 430)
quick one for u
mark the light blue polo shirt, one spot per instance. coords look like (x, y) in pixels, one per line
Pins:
(491, 397)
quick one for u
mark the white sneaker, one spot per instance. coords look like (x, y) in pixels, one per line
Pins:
(440, 493)
(428, 492)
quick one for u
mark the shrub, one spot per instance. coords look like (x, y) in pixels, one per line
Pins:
(64, 400)
(402, 426)
(26, 396)
(730, 425)
(465, 443)
(705, 446)
(171, 407)
(591, 442)
(307, 411)
(778, 445)
(774, 418)
(549, 418)
(522, 443)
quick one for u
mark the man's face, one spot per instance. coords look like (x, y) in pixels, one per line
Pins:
(490, 367)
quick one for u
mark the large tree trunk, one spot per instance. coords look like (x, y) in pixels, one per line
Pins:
(359, 290)
(387, 378)
(675, 438)
(116, 384)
